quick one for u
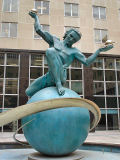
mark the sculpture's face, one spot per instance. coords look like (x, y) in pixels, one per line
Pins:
(72, 38)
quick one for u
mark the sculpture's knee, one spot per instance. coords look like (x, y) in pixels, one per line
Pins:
(28, 93)
(30, 90)
(50, 53)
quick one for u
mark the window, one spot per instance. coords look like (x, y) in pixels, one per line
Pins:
(71, 9)
(44, 28)
(112, 121)
(9, 72)
(99, 12)
(37, 66)
(42, 6)
(9, 85)
(8, 30)
(100, 34)
(106, 91)
(10, 5)
(102, 124)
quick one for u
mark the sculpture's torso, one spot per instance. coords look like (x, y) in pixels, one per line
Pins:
(66, 54)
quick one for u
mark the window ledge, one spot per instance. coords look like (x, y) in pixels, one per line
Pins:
(72, 16)
(9, 37)
(99, 19)
(10, 11)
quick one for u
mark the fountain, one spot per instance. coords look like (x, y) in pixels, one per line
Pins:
(55, 120)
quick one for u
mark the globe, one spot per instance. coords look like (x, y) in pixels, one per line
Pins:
(56, 132)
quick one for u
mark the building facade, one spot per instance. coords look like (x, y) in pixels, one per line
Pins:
(22, 52)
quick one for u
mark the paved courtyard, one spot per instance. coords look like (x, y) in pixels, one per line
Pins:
(97, 137)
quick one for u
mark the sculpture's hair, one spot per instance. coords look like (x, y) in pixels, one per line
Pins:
(70, 30)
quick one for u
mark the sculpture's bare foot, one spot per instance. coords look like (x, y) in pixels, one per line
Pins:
(60, 89)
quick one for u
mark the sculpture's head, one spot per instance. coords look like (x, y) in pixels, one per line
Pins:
(72, 36)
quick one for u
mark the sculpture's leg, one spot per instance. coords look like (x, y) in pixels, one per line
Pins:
(63, 75)
(56, 68)
(40, 83)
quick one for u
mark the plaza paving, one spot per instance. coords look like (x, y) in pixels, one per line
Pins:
(97, 137)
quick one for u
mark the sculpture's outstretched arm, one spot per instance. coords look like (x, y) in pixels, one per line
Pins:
(91, 59)
(45, 35)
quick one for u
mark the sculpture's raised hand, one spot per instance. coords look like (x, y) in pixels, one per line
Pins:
(106, 48)
(32, 14)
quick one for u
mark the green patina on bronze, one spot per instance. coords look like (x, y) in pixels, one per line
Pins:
(60, 55)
